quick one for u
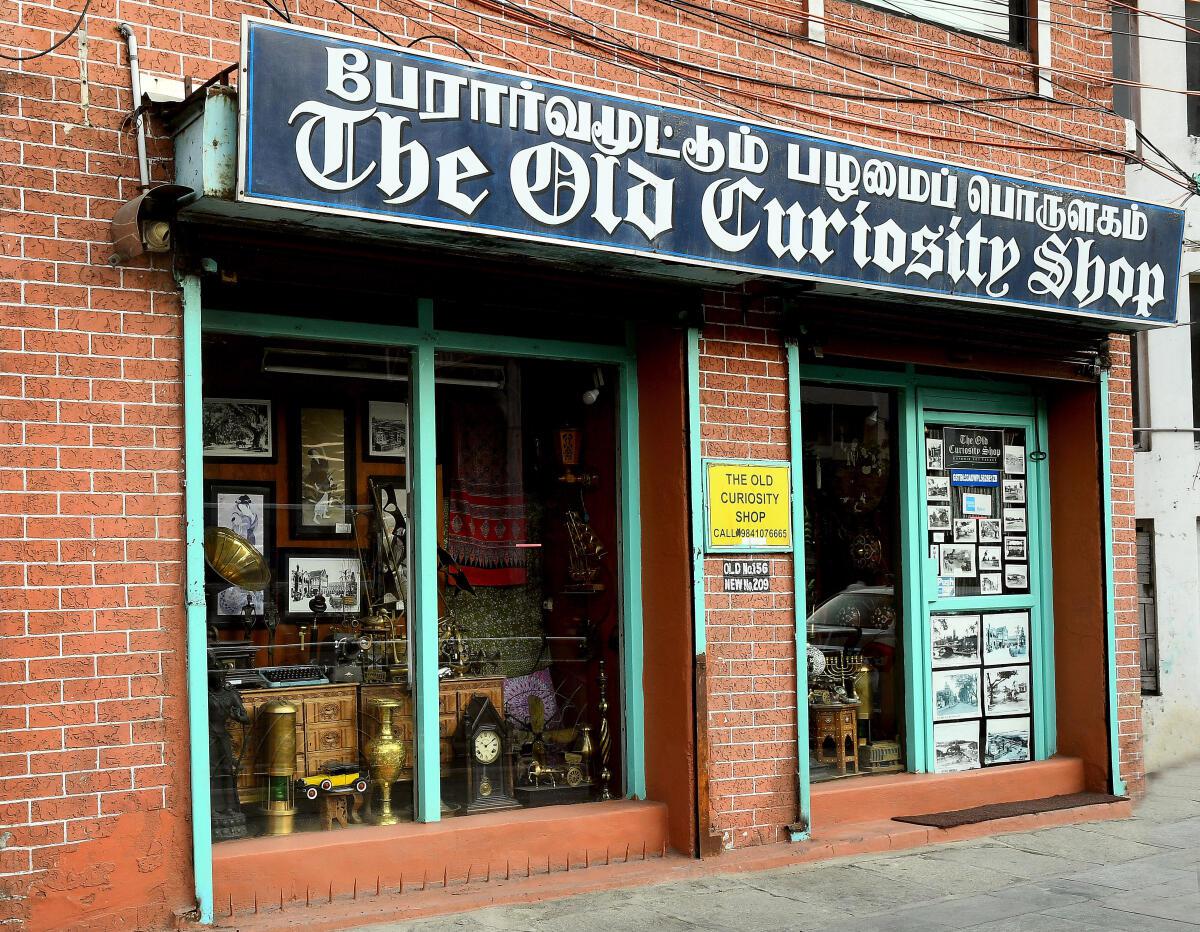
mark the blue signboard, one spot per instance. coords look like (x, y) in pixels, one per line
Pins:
(979, 478)
(343, 126)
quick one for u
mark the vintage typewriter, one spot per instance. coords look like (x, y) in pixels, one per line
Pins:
(276, 677)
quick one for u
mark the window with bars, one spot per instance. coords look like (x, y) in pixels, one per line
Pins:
(1147, 610)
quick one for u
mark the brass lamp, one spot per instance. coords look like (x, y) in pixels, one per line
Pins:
(277, 762)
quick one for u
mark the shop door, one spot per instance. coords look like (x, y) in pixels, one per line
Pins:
(982, 668)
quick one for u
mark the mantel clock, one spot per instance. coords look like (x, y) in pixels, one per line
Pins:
(482, 740)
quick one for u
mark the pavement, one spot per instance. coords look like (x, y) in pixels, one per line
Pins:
(1140, 874)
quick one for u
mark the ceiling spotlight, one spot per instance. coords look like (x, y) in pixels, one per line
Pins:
(592, 394)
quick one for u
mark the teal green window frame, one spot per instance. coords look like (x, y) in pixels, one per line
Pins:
(425, 342)
(983, 400)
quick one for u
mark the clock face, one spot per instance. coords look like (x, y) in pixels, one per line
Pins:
(487, 747)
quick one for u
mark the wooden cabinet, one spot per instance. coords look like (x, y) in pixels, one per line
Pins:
(326, 731)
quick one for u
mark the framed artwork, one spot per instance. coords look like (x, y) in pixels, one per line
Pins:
(247, 509)
(1007, 741)
(956, 747)
(322, 474)
(386, 431)
(935, 459)
(956, 695)
(965, 530)
(1006, 638)
(957, 560)
(321, 582)
(989, 559)
(1006, 691)
(1015, 549)
(238, 429)
(989, 530)
(991, 584)
(937, 488)
(939, 517)
(954, 640)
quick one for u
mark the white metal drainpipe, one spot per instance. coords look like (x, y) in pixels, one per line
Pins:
(135, 83)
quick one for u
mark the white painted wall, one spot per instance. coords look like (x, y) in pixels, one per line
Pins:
(1167, 476)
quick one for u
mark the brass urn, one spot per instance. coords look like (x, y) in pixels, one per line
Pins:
(385, 755)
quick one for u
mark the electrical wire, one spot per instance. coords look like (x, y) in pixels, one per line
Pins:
(74, 29)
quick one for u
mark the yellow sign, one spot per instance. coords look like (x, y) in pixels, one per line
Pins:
(749, 506)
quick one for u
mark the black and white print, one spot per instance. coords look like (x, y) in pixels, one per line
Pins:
(989, 531)
(1006, 691)
(1015, 548)
(1014, 460)
(245, 509)
(1007, 741)
(328, 584)
(1014, 491)
(989, 559)
(1006, 638)
(991, 583)
(956, 695)
(957, 560)
(939, 517)
(1014, 520)
(237, 428)
(935, 459)
(937, 488)
(956, 747)
(954, 640)
(387, 430)
(1016, 575)
(965, 530)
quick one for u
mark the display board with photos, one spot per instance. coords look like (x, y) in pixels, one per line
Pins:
(982, 689)
(975, 505)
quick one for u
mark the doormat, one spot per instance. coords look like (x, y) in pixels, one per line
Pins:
(1008, 810)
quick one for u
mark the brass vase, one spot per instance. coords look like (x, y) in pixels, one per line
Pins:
(385, 755)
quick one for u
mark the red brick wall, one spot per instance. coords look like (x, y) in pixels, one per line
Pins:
(93, 749)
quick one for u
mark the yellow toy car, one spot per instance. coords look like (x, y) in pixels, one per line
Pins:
(333, 778)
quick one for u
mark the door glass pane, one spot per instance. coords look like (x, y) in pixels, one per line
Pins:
(852, 562)
(976, 519)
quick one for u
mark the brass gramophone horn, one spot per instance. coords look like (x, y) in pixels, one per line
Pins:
(235, 560)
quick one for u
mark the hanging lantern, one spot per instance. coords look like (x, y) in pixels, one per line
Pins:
(277, 766)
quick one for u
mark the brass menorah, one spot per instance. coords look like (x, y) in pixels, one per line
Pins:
(842, 667)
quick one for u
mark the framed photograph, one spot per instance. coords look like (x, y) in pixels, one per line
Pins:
(322, 471)
(321, 582)
(386, 431)
(1016, 575)
(247, 509)
(1006, 638)
(939, 517)
(954, 640)
(935, 459)
(956, 695)
(937, 488)
(1014, 460)
(989, 559)
(1016, 548)
(389, 500)
(1006, 691)
(238, 429)
(1007, 741)
(956, 747)
(1014, 520)
(991, 584)
(957, 560)
(1014, 491)
(965, 531)
(989, 530)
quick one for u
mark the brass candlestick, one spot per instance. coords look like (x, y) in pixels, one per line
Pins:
(605, 738)
(385, 754)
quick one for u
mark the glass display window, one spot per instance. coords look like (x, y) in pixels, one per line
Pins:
(309, 535)
(854, 626)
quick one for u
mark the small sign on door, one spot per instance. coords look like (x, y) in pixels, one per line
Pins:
(746, 575)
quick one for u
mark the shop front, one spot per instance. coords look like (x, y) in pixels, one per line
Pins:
(570, 476)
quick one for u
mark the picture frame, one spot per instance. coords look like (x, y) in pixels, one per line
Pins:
(954, 640)
(991, 583)
(990, 559)
(966, 530)
(252, 519)
(937, 488)
(1014, 491)
(939, 517)
(935, 459)
(1014, 520)
(334, 575)
(1007, 741)
(956, 694)
(956, 747)
(322, 473)
(1016, 575)
(989, 531)
(1014, 460)
(385, 431)
(957, 561)
(235, 430)
(1006, 690)
(1016, 548)
(1005, 638)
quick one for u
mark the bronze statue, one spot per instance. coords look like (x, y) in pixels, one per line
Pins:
(224, 703)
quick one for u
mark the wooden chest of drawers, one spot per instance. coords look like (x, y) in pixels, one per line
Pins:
(326, 731)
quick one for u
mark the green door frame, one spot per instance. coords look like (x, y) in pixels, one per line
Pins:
(425, 342)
